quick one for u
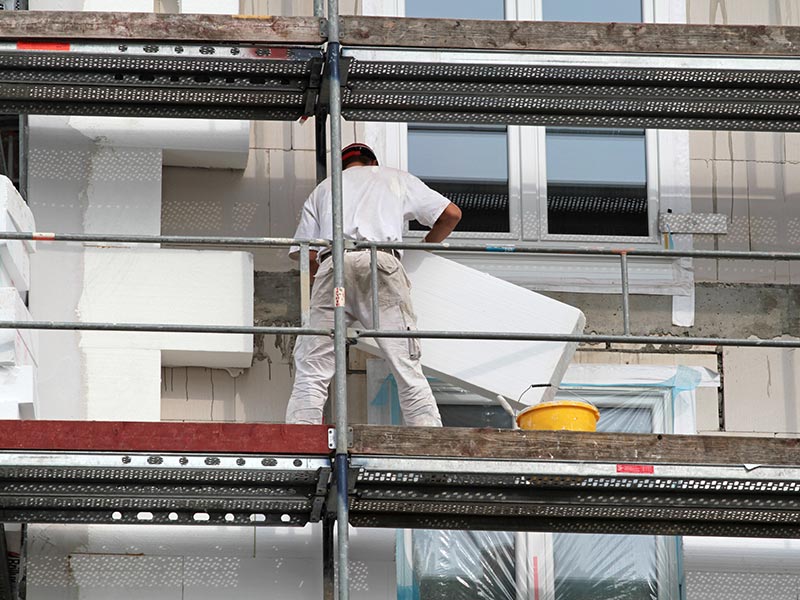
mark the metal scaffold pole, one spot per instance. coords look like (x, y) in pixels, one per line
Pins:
(340, 326)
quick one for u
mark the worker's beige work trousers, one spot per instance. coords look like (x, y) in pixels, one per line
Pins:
(314, 355)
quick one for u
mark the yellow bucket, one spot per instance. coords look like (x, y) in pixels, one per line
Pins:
(559, 415)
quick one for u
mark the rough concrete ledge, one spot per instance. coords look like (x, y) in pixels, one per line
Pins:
(722, 310)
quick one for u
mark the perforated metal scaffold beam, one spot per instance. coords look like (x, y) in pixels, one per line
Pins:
(212, 66)
(575, 482)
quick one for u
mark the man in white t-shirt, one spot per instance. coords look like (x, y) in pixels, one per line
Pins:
(377, 203)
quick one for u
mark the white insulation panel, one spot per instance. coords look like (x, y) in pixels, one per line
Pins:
(17, 346)
(183, 287)
(448, 296)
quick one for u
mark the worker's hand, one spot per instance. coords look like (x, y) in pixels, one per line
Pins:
(444, 225)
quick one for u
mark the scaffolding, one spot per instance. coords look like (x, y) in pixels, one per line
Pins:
(290, 68)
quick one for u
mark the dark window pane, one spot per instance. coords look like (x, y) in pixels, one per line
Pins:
(596, 182)
(468, 165)
(456, 9)
(620, 11)
(477, 415)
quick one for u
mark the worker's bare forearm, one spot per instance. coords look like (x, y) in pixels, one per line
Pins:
(313, 265)
(444, 225)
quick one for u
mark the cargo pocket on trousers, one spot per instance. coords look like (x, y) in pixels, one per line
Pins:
(414, 346)
(391, 280)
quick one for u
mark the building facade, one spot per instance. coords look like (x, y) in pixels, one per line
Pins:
(545, 187)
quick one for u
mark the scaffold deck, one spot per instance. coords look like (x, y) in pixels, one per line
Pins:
(277, 475)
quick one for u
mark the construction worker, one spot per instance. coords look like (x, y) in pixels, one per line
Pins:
(377, 203)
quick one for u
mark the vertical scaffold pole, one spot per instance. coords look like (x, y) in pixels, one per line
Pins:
(339, 324)
(626, 311)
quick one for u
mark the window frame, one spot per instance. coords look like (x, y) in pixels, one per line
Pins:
(651, 177)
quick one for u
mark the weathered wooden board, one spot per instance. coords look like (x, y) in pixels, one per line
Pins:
(546, 36)
(449, 296)
(570, 445)
(65, 25)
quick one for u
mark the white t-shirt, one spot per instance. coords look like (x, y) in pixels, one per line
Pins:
(376, 202)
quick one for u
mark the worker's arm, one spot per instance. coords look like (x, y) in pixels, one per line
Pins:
(444, 225)
(313, 265)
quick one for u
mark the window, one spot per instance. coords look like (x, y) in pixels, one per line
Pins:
(632, 564)
(462, 565)
(467, 164)
(534, 202)
(532, 183)
(596, 178)
(596, 182)
(472, 564)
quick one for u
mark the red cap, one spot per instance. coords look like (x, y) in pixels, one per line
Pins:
(357, 150)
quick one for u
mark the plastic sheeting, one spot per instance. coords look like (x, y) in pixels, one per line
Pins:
(454, 565)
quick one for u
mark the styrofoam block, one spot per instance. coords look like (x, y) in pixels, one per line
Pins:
(18, 385)
(146, 285)
(6, 279)
(9, 410)
(15, 215)
(13, 351)
(17, 346)
(204, 143)
(122, 385)
(448, 296)
(150, 540)
(209, 7)
(17, 263)
(123, 194)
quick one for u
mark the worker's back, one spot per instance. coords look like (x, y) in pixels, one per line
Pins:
(377, 201)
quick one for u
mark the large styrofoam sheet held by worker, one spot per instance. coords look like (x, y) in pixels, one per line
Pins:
(449, 296)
